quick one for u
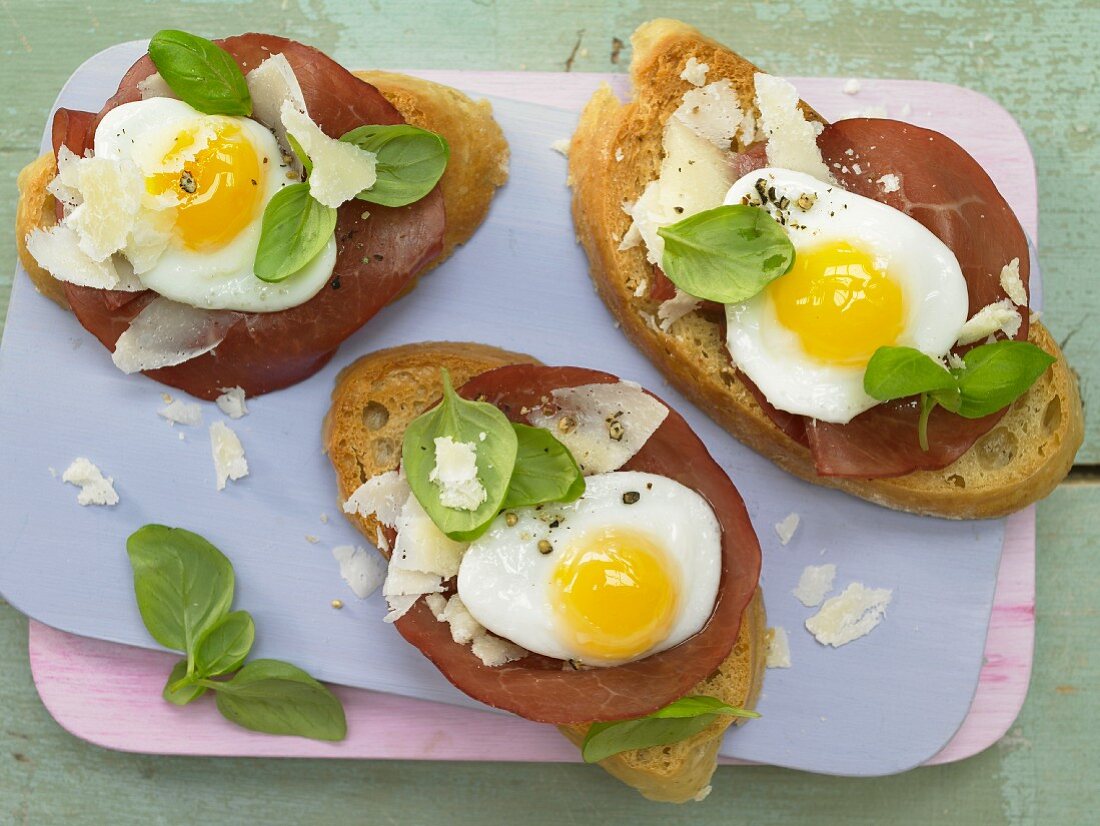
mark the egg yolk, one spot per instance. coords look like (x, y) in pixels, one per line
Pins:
(841, 305)
(220, 191)
(615, 596)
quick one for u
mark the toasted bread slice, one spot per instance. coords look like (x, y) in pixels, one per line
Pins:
(477, 167)
(617, 150)
(373, 402)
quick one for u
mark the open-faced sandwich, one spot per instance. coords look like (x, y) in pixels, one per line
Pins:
(848, 299)
(562, 546)
(240, 207)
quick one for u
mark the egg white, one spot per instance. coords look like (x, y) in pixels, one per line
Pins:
(506, 583)
(925, 268)
(223, 279)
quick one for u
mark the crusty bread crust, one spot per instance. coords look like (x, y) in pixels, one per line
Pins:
(477, 167)
(1017, 463)
(373, 402)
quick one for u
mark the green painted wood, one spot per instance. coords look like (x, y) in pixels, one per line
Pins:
(1038, 59)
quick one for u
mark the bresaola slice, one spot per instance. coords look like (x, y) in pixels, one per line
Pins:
(378, 256)
(551, 691)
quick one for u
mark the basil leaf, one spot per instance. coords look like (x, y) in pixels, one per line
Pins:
(223, 647)
(410, 161)
(183, 584)
(726, 254)
(999, 373)
(295, 229)
(279, 698)
(898, 372)
(675, 722)
(545, 470)
(202, 73)
(462, 421)
(181, 689)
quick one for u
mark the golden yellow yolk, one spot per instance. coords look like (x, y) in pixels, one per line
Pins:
(615, 597)
(841, 306)
(220, 191)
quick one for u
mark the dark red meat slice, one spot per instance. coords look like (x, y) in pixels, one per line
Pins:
(946, 190)
(537, 687)
(376, 260)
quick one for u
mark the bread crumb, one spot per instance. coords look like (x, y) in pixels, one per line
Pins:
(852, 87)
(618, 153)
(786, 527)
(779, 648)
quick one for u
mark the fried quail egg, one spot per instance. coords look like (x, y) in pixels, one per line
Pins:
(214, 175)
(865, 275)
(629, 569)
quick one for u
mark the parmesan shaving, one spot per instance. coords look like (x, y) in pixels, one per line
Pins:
(341, 170)
(167, 333)
(271, 84)
(890, 183)
(792, 140)
(786, 527)
(231, 402)
(561, 146)
(495, 652)
(57, 250)
(422, 547)
(675, 308)
(713, 113)
(455, 474)
(229, 460)
(999, 317)
(779, 648)
(816, 581)
(95, 488)
(155, 86)
(1013, 284)
(603, 425)
(382, 496)
(694, 72)
(364, 572)
(851, 615)
(181, 412)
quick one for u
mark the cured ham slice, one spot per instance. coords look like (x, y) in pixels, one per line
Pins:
(379, 251)
(551, 691)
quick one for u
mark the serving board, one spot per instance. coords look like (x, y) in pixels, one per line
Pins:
(870, 711)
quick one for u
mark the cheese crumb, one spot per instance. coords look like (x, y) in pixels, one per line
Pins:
(714, 113)
(694, 72)
(95, 489)
(890, 183)
(229, 461)
(495, 652)
(703, 794)
(421, 546)
(792, 140)
(341, 170)
(382, 496)
(779, 648)
(181, 412)
(852, 87)
(455, 473)
(851, 615)
(561, 146)
(955, 361)
(999, 317)
(464, 628)
(816, 581)
(786, 528)
(364, 572)
(618, 153)
(231, 402)
(1012, 284)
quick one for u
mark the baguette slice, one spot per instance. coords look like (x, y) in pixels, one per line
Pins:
(373, 402)
(477, 167)
(617, 150)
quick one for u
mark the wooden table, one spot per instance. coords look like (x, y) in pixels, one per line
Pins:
(1040, 60)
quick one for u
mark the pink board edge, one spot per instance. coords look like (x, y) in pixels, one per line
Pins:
(95, 690)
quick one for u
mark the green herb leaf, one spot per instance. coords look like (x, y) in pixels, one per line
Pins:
(279, 698)
(300, 153)
(223, 647)
(726, 254)
(410, 161)
(295, 229)
(463, 421)
(997, 374)
(545, 470)
(180, 688)
(201, 72)
(898, 372)
(183, 584)
(675, 722)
